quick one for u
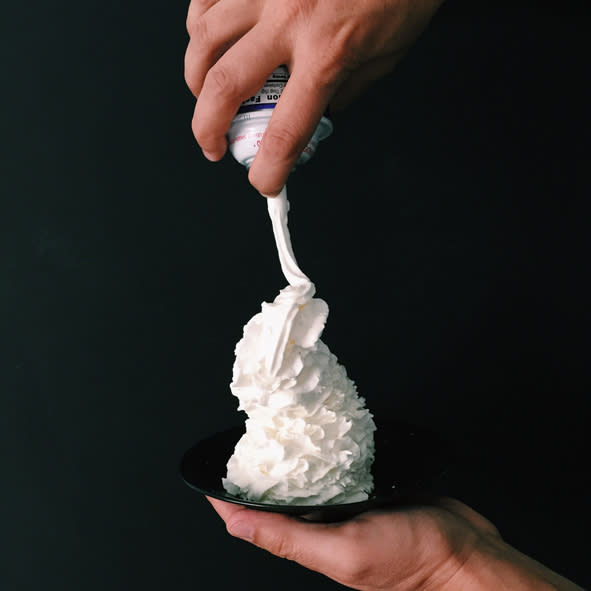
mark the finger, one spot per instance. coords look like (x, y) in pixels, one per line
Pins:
(361, 78)
(212, 33)
(238, 74)
(319, 547)
(294, 120)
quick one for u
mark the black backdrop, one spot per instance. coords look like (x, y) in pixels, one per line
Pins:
(444, 222)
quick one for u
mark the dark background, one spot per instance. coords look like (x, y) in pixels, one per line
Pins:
(444, 222)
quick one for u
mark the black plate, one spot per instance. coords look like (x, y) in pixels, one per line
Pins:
(409, 465)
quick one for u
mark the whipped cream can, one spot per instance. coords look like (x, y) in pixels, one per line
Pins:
(249, 124)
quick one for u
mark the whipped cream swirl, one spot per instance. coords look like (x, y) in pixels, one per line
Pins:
(309, 437)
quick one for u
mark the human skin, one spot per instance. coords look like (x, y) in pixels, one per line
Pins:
(332, 48)
(445, 546)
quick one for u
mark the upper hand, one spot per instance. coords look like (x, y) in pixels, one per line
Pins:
(332, 49)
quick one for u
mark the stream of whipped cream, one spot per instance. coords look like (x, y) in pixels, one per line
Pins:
(309, 438)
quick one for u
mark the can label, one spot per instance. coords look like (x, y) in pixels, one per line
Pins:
(268, 95)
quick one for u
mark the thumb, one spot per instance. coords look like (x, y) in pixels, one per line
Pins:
(318, 546)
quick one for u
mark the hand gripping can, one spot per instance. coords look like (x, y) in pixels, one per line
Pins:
(249, 124)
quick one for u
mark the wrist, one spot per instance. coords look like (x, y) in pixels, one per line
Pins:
(496, 566)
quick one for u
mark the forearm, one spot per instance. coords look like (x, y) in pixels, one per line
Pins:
(496, 566)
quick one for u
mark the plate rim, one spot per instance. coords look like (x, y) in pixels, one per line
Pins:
(378, 498)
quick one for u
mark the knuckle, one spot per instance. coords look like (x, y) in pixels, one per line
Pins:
(196, 9)
(339, 57)
(189, 22)
(207, 138)
(221, 84)
(283, 548)
(340, 54)
(198, 31)
(200, 132)
(278, 541)
(191, 77)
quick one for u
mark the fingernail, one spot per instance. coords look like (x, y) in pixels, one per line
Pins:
(242, 530)
(210, 156)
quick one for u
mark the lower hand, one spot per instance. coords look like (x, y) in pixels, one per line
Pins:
(442, 547)
(410, 549)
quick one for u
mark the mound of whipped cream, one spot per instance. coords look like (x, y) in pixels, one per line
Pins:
(309, 438)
